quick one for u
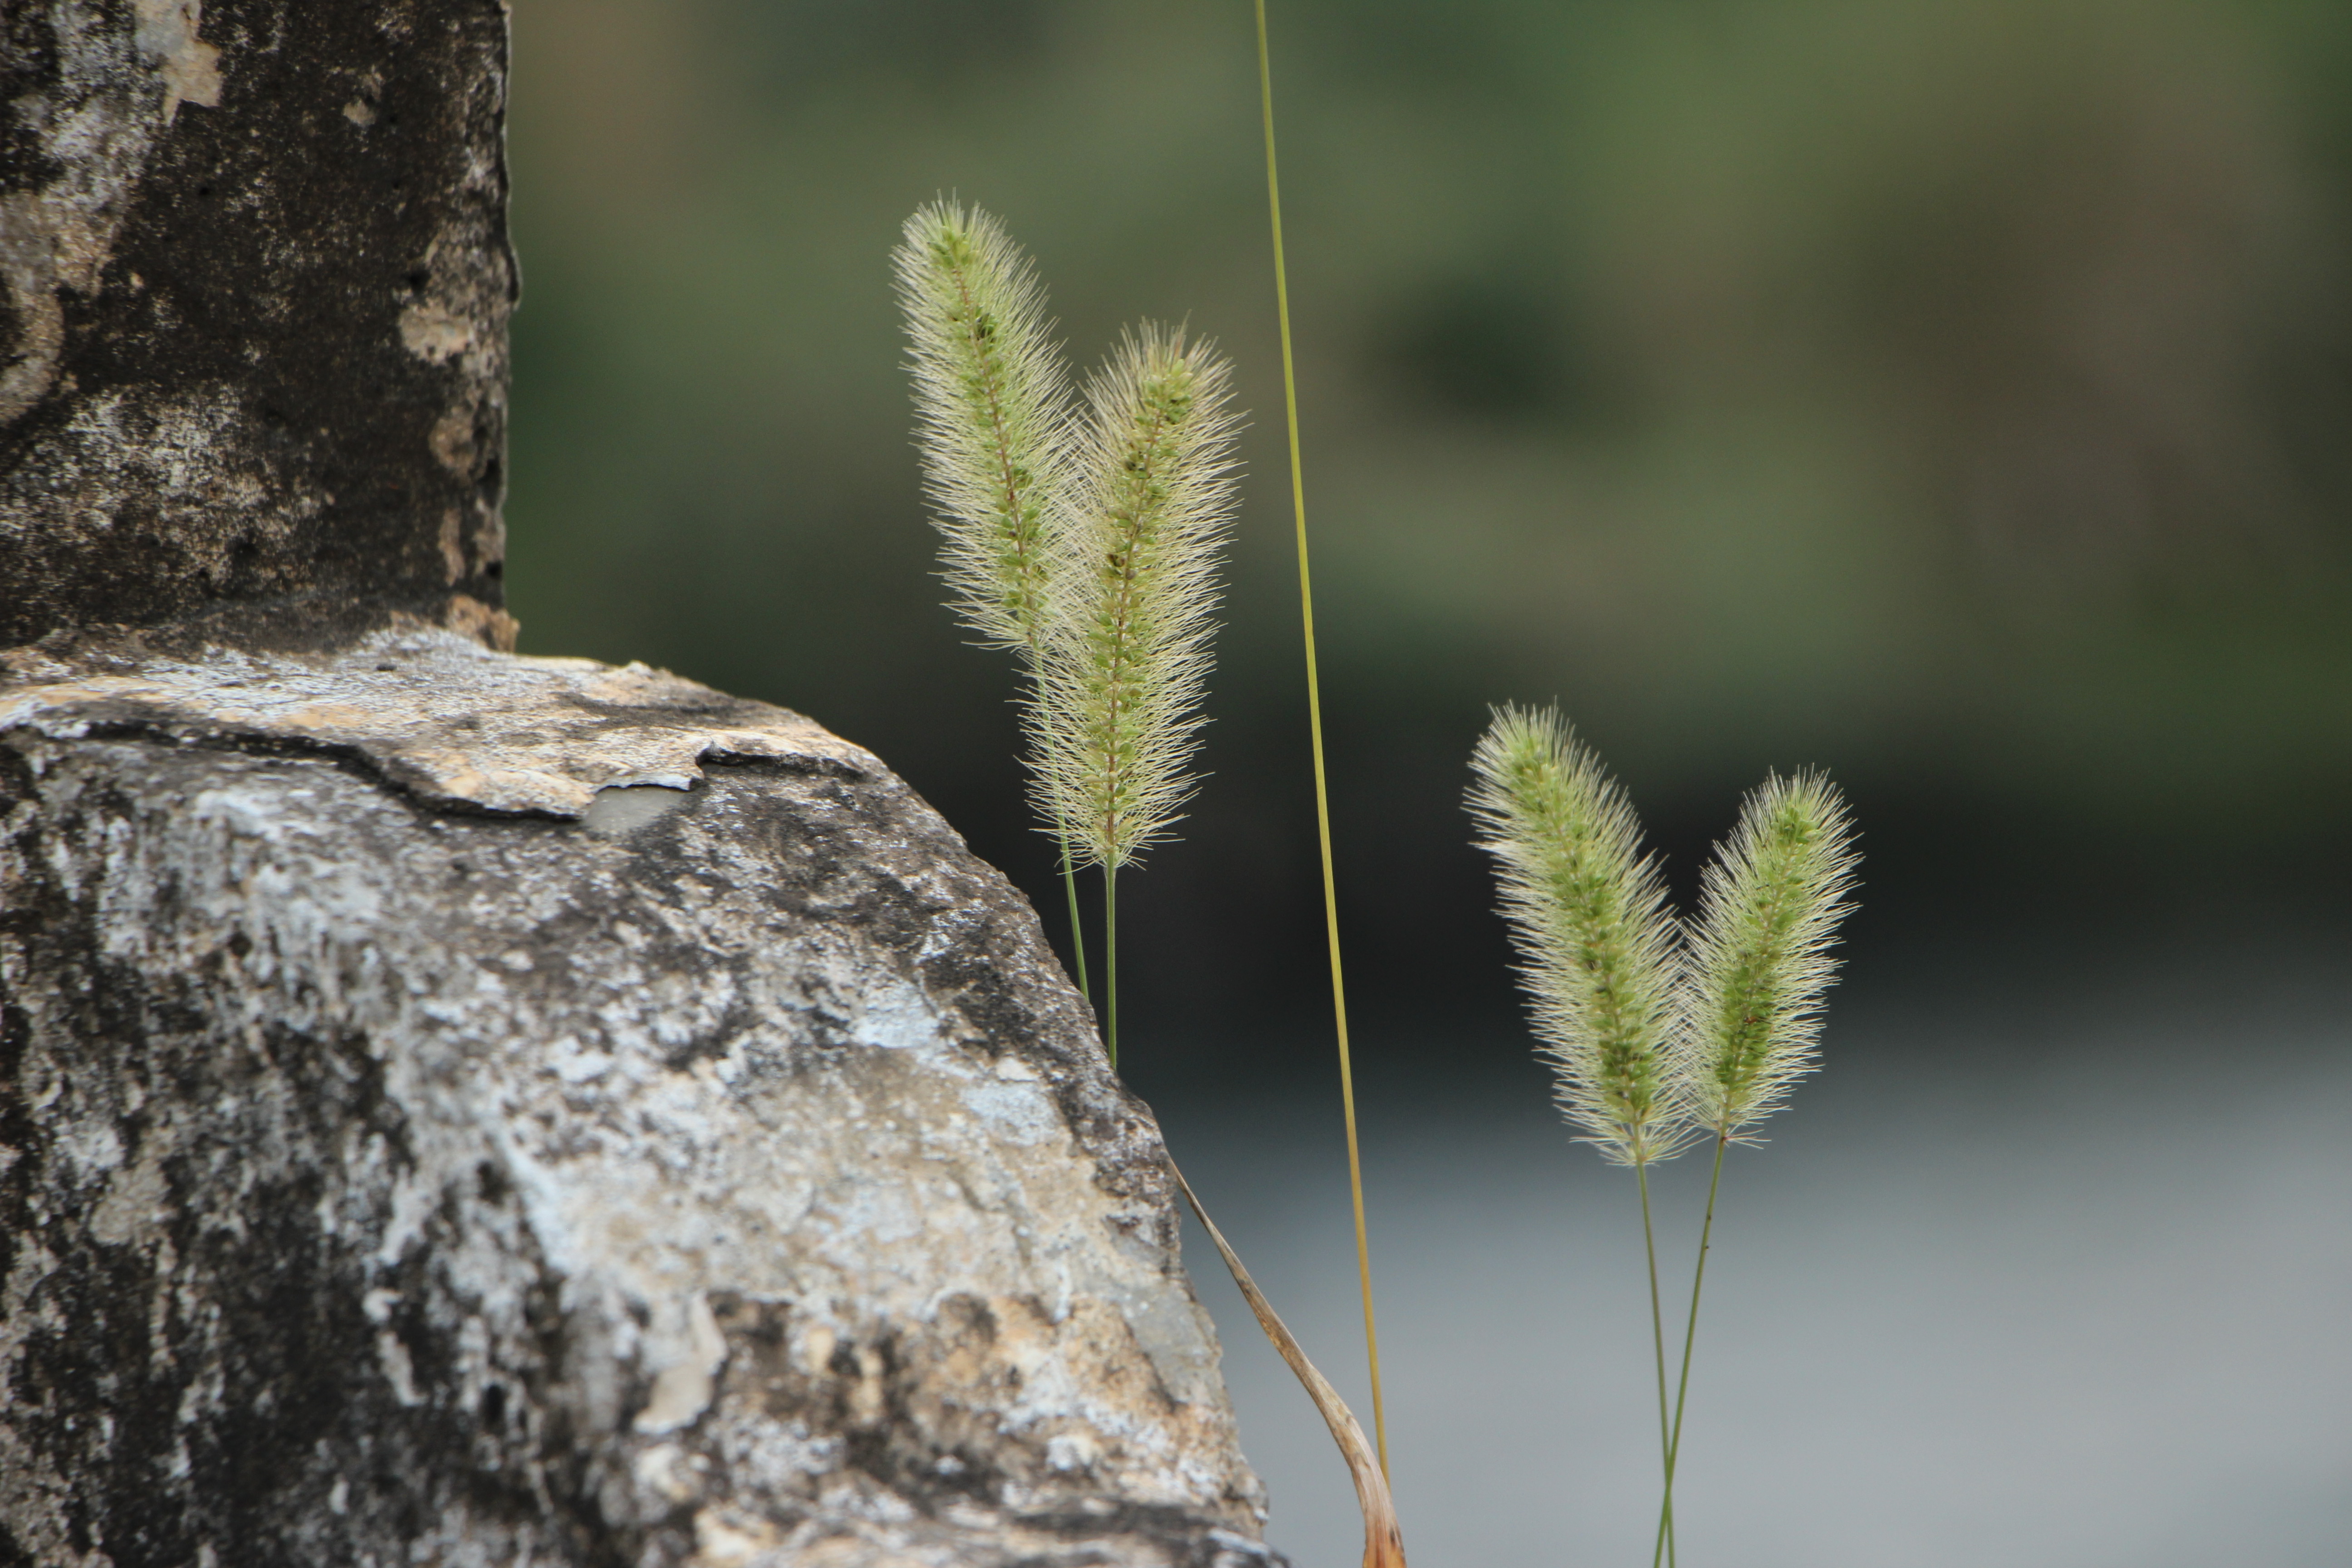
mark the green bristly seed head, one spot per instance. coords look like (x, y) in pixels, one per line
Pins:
(993, 406)
(1596, 942)
(1761, 965)
(1133, 591)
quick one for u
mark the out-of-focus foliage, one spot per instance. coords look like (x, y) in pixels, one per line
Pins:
(1957, 394)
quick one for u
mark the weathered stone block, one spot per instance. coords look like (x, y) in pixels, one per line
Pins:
(464, 1109)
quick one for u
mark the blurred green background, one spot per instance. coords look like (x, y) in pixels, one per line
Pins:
(1954, 394)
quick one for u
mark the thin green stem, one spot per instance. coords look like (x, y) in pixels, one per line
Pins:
(1077, 931)
(1069, 872)
(1315, 729)
(1690, 1333)
(1658, 1328)
(1110, 956)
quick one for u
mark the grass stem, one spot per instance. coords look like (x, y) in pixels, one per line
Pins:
(1690, 1333)
(1657, 1340)
(1111, 959)
(1315, 728)
(1077, 931)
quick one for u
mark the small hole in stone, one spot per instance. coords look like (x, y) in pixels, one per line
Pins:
(494, 1407)
(417, 281)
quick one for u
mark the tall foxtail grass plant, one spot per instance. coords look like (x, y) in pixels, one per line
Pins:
(1130, 596)
(994, 424)
(1660, 1035)
(1315, 739)
(1087, 539)
(1759, 970)
(1596, 955)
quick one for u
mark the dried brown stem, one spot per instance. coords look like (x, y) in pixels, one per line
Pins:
(1383, 1541)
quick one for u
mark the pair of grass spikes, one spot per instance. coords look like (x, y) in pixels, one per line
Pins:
(1661, 1035)
(1083, 534)
(1081, 531)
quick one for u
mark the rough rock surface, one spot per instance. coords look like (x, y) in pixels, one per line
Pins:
(720, 1175)
(254, 288)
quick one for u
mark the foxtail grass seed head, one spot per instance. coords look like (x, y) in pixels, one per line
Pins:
(1133, 596)
(1760, 961)
(993, 415)
(1589, 917)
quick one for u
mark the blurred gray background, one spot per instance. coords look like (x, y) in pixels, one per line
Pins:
(1953, 393)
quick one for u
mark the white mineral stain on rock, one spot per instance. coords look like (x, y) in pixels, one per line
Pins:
(398, 1369)
(581, 1066)
(136, 1200)
(186, 444)
(433, 333)
(190, 66)
(1018, 1113)
(682, 1389)
(1072, 1451)
(731, 1540)
(98, 137)
(92, 1148)
(666, 1470)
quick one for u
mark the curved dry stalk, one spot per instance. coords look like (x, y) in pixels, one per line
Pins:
(1383, 1539)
